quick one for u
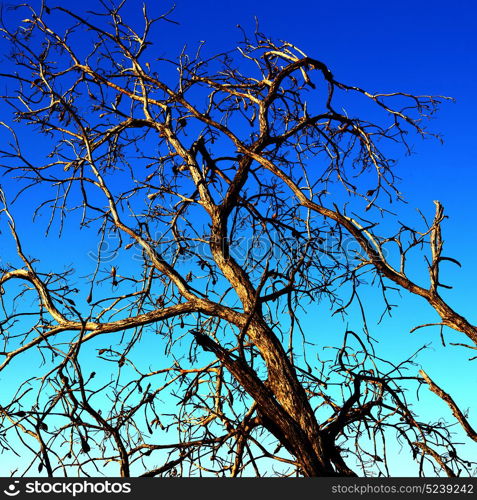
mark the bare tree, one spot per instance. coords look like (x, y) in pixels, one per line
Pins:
(211, 188)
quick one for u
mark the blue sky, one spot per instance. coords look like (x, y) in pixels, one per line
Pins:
(420, 47)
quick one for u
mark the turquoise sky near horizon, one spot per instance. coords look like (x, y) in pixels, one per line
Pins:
(420, 47)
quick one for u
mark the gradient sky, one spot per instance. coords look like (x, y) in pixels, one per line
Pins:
(425, 47)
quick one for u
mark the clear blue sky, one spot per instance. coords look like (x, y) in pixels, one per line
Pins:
(424, 47)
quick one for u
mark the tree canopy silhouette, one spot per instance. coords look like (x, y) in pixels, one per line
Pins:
(229, 197)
